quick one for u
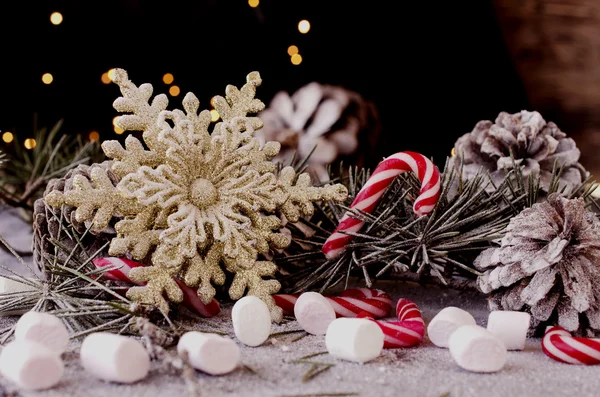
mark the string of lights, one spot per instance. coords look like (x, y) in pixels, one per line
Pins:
(57, 18)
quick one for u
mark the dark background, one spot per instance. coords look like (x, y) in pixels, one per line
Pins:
(433, 68)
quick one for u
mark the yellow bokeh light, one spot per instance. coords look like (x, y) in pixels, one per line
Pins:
(292, 50)
(253, 3)
(115, 120)
(119, 130)
(111, 74)
(304, 26)
(214, 115)
(174, 90)
(94, 136)
(168, 78)
(212, 102)
(56, 18)
(8, 137)
(453, 152)
(30, 143)
(296, 59)
(47, 78)
(105, 79)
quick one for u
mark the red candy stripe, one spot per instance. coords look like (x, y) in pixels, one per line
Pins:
(407, 331)
(120, 268)
(366, 200)
(349, 304)
(559, 345)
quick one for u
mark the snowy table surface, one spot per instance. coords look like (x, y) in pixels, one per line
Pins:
(421, 371)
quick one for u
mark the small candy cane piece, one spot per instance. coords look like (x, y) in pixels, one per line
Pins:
(120, 268)
(560, 345)
(351, 302)
(407, 331)
(383, 176)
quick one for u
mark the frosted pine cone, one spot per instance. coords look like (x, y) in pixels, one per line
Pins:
(46, 225)
(534, 144)
(334, 119)
(548, 264)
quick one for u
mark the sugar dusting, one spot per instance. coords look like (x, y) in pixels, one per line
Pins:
(268, 371)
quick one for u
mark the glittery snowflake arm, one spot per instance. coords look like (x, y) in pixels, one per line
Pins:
(239, 103)
(301, 194)
(129, 158)
(135, 235)
(135, 100)
(96, 201)
(252, 280)
(159, 282)
(206, 271)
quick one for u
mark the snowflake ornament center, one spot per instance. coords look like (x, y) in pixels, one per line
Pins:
(203, 193)
(193, 201)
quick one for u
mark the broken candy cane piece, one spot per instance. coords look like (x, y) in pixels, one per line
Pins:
(354, 339)
(251, 321)
(560, 345)
(210, 353)
(476, 349)
(510, 326)
(114, 358)
(43, 328)
(30, 365)
(445, 323)
(314, 313)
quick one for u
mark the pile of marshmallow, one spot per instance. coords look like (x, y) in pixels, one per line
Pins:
(33, 360)
(475, 348)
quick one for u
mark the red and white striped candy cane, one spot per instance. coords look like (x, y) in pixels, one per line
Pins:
(559, 345)
(350, 302)
(366, 200)
(120, 268)
(407, 331)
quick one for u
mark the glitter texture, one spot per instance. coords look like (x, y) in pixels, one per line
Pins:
(195, 203)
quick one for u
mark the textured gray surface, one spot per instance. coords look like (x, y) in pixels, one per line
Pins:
(422, 371)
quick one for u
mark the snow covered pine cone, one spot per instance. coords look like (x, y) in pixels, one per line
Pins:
(548, 264)
(534, 143)
(335, 119)
(46, 225)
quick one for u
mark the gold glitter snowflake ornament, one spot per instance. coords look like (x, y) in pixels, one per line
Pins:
(195, 203)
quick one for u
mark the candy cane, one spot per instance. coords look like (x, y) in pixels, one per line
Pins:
(350, 302)
(369, 195)
(559, 345)
(119, 271)
(407, 331)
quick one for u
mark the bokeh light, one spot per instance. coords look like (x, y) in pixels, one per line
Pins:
(296, 59)
(8, 137)
(304, 26)
(56, 18)
(105, 78)
(94, 136)
(453, 152)
(111, 74)
(119, 130)
(168, 78)
(30, 143)
(174, 90)
(214, 115)
(292, 50)
(253, 3)
(47, 78)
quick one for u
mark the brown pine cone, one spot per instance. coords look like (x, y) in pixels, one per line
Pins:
(48, 238)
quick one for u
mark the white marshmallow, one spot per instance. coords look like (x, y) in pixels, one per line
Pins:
(115, 358)
(476, 349)
(511, 327)
(445, 323)
(43, 328)
(251, 321)
(30, 365)
(354, 339)
(209, 353)
(313, 313)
